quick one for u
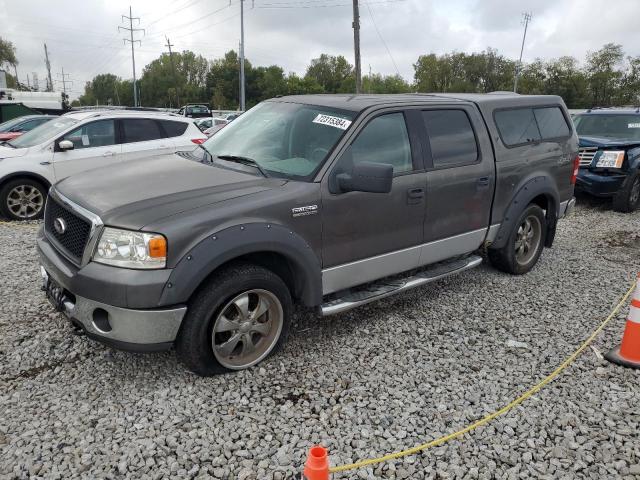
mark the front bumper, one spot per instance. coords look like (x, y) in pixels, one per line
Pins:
(123, 328)
(598, 184)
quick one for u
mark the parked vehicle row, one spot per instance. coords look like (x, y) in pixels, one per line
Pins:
(330, 201)
(81, 141)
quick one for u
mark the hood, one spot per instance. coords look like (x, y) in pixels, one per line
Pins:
(10, 152)
(607, 142)
(135, 193)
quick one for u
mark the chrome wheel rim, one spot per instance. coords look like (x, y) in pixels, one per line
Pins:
(635, 192)
(246, 329)
(528, 239)
(25, 201)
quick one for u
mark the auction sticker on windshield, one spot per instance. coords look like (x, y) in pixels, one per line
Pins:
(336, 122)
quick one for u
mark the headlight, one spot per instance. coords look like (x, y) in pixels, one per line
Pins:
(128, 249)
(610, 159)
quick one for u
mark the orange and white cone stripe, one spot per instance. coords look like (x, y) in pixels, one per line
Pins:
(629, 352)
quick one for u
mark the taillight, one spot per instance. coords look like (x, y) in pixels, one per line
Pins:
(576, 168)
(198, 141)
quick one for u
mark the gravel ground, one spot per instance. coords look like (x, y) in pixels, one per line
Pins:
(377, 379)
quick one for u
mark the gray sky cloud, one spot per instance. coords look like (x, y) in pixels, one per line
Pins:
(82, 37)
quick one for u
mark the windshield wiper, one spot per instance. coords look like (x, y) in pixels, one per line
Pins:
(244, 161)
(8, 144)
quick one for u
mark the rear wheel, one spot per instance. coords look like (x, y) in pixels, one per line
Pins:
(628, 198)
(524, 245)
(22, 199)
(235, 321)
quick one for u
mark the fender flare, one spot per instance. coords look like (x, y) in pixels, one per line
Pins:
(228, 244)
(34, 175)
(534, 187)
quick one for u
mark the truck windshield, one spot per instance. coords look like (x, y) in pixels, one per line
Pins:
(622, 127)
(42, 133)
(289, 140)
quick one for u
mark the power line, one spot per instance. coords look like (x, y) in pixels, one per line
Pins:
(526, 18)
(380, 36)
(131, 18)
(313, 4)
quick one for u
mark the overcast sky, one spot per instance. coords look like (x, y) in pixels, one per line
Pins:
(82, 36)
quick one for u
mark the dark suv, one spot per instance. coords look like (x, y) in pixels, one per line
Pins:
(331, 201)
(610, 155)
(195, 110)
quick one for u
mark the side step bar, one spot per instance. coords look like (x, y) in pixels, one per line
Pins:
(356, 297)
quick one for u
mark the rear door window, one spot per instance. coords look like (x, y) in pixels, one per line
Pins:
(140, 130)
(551, 122)
(173, 129)
(517, 126)
(451, 136)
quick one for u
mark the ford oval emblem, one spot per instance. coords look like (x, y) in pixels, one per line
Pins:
(60, 225)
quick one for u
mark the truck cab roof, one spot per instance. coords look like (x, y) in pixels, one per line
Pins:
(357, 103)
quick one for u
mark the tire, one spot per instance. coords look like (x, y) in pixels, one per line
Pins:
(219, 305)
(22, 199)
(628, 198)
(514, 257)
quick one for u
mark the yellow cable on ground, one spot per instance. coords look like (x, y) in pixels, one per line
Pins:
(536, 388)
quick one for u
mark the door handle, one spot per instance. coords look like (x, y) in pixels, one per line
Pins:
(483, 182)
(108, 154)
(415, 195)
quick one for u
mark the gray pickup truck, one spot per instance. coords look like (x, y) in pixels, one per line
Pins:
(330, 201)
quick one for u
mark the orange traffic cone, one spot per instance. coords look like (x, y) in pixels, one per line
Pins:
(628, 354)
(317, 464)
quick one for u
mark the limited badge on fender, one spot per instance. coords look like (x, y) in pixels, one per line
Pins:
(304, 211)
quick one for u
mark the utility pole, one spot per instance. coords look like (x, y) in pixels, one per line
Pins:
(242, 92)
(130, 29)
(526, 18)
(64, 81)
(36, 85)
(46, 62)
(356, 44)
(15, 70)
(173, 67)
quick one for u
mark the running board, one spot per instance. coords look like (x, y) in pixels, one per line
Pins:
(371, 292)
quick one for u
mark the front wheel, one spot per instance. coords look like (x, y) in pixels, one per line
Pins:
(628, 198)
(22, 199)
(524, 245)
(235, 321)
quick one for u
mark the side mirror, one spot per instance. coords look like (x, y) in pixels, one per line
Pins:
(367, 177)
(65, 145)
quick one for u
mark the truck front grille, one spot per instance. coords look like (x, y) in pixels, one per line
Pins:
(586, 155)
(73, 238)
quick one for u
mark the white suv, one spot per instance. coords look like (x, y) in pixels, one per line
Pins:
(80, 141)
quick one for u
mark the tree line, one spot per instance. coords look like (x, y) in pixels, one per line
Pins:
(606, 77)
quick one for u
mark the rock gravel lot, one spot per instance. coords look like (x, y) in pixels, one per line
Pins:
(384, 377)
